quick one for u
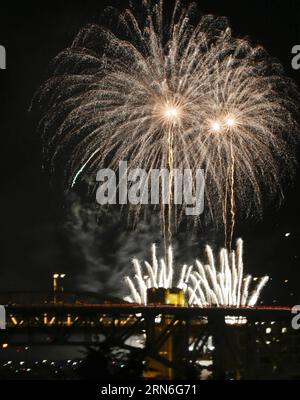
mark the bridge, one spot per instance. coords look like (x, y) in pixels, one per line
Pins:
(232, 339)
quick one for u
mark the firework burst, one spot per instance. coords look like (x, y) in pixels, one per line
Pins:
(204, 285)
(171, 91)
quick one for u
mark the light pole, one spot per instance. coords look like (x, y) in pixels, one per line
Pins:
(56, 287)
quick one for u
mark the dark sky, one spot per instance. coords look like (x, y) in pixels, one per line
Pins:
(32, 242)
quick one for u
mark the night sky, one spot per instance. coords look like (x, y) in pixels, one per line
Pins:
(33, 244)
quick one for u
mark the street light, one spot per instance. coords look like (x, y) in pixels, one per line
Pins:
(56, 286)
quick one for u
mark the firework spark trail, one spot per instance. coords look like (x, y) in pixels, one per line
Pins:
(254, 297)
(232, 197)
(204, 285)
(111, 99)
(170, 199)
(224, 216)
